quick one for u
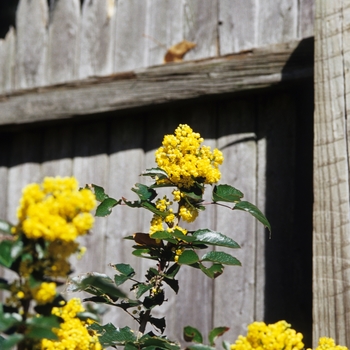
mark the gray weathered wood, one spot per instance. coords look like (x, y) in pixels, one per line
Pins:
(277, 21)
(31, 48)
(235, 293)
(237, 25)
(130, 45)
(97, 38)
(171, 82)
(62, 61)
(306, 18)
(200, 21)
(331, 235)
(7, 62)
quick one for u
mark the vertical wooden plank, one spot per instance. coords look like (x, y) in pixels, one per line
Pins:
(201, 27)
(7, 62)
(58, 151)
(238, 23)
(31, 24)
(64, 29)
(90, 165)
(331, 234)
(306, 18)
(126, 164)
(163, 29)
(130, 43)
(277, 21)
(97, 38)
(238, 143)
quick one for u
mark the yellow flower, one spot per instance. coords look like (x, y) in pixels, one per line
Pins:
(45, 293)
(73, 333)
(325, 343)
(188, 213)
(185, 161)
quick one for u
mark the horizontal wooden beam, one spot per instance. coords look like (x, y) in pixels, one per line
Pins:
(260, 68)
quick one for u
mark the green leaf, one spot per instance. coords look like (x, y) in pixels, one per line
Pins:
(159, 323)
(120, 279)
(5, 253)
(154, 342)
(214, 238)
(96, 284)
(192, 334)
(216, 332)
(213, 271)
(105, 208)
(188, 257)
(144, 192)
(84, 316)
(150, 206)
(226, 345)
(164, 235)
(253, 210)
(178, 234)
(199, 347)
(124, 269)
(173, 284)
(41, 327)
(110, 335)
(99, 192)
(5, 227)
(143, 253)
(142, 288)
(226, 193)
(11, 341)
(155, 172)
(221, 258)
(4, 284)
(173, 270)
(8, 320)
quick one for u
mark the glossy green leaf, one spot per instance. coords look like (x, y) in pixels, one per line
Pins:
(221, 258)
(216, 332)
(173, 270)
(214, 238)
(124, 269)
(111, 336)
(96, 284)
(155, 172)
(164, 235)
(5, 253)
(99, 192)
(188, 257)
(147, 342)
(213, 271)
(226, 193)
(142, 288)
(144, 192)
(41, 327)
(192, 334)
(253, 210)
(5, 227)
(120, 279)
(150, 206)
(105, 207)
(85, 316)
(143, 253)
(173, 284)
(11, 341)
(178, 234)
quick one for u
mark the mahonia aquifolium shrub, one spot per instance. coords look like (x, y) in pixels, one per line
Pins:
(52, 215)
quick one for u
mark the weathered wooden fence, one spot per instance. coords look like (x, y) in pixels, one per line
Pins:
(70, 81)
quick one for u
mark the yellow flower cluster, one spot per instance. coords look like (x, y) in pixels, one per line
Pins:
(325, 343)
(45, 293)
(55, 210)
(72, 334)
(185, 161)
(277, 336)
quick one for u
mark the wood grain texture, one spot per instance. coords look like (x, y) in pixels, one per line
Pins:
(7, 62)
(258, 69)
(277, 21)
(31, 48)
(238, 25)
(331, 235)
(62, 61)
(97, 38)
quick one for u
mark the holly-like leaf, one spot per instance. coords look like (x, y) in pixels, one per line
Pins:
(145, 239)
(226, 193)
(216, 332)
(105, 207)
(172, 271)
(151, 207)
(11, 341)
(214, 238)
(111, 336)
(144, 192)
(173, 284)
(124, 269)
(142, 288)
(5, 227)
(213, 271)
(253, 210)
(164, 235)
(155, 172)
(6, 253)
(192, 334)
(221, 258)
(188, 257)
(159, 323)
(98, 191)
